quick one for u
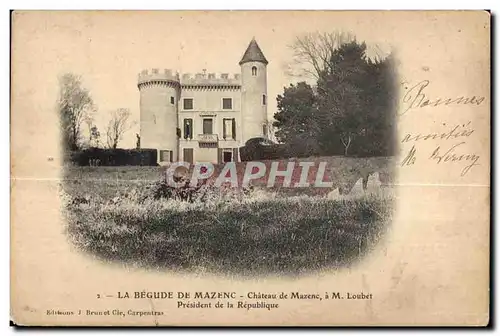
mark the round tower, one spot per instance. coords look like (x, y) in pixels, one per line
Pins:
(159, 96)
(253, 92)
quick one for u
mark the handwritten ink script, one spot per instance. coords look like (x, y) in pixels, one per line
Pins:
(417, 97)
(452, 154)
(444, 153)
(448, 144)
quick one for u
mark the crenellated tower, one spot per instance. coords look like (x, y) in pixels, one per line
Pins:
(253, 92)
(159, 97)
(205, 118)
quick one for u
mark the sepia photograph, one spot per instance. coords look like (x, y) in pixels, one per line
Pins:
(237, 167)
(262, 164)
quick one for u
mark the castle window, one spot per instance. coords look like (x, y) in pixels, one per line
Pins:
(227, 103)
(227, 155)
(264, 130)
(254, 71)
(188, 129)
(172, 100)
(229, 129)
(166, 156)
(188, 103)
(208, 125)
(264, 100)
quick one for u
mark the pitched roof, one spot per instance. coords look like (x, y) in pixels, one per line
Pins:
(253, 54)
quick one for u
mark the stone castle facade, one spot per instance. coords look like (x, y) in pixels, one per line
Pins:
(205, 118)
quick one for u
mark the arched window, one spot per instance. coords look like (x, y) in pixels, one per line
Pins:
(254, 71)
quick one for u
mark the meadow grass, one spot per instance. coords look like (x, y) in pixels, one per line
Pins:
(257, 234)
(288, 231)
(108, 182)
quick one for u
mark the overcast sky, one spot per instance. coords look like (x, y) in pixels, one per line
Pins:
(109, 49)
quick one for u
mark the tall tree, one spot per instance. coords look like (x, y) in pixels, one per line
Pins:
(381, 93)
(93, 132)
(118, 124)
(74, 106)
(312, 52)
(342, 98)
(387, 94)
(296, 118)
(351, 109)
(95, 137)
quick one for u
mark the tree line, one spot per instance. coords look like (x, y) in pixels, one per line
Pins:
(77, 110)
(347, 108)
(350, 107)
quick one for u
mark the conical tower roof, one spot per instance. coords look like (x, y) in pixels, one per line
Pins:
(253, 54)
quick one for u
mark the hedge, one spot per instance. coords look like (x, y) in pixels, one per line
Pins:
(270, 152)
(283, 151)
(115, 157)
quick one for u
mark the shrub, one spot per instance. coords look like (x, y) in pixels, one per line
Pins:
(202, 192)
(115, 157)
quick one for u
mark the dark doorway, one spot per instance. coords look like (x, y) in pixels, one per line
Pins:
(227, 156)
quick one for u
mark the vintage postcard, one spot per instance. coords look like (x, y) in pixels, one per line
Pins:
(250, 168)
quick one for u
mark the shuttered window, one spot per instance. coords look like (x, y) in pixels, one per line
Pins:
(235, 154)
(234, 129)
(227, 103)
(166, 156)
(188, 103)
(229, 129)
(188, 129)
(208, 126)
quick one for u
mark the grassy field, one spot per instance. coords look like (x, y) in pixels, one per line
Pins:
(111, 216)
(108, 182)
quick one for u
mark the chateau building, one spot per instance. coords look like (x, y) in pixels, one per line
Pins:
(205, 118)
